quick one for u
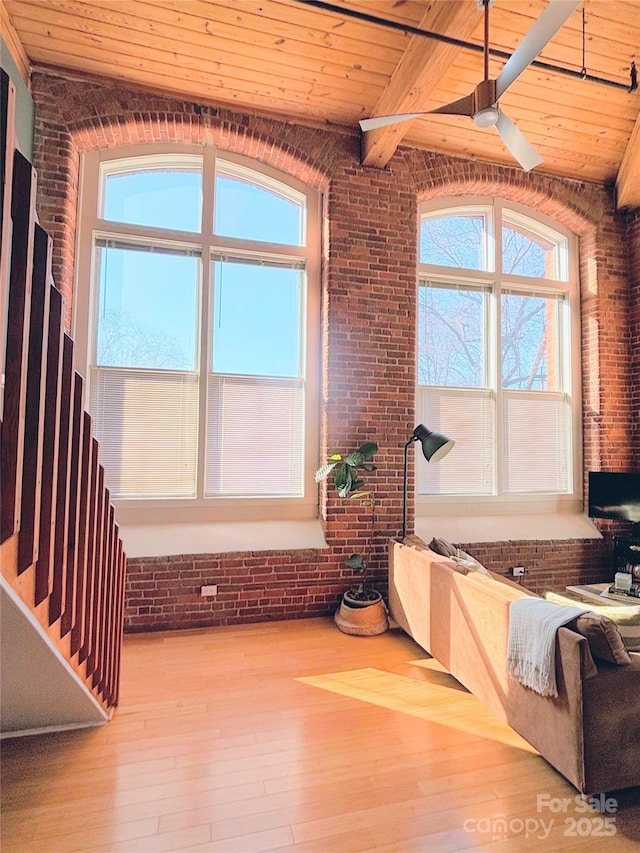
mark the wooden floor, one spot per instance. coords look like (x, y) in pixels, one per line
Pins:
(294, 737)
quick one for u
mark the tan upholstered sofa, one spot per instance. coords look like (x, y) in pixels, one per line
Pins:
(590, 732)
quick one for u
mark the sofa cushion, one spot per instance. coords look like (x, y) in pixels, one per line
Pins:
(605, 634)
(464, 563)
(604, 638)
(442, 547)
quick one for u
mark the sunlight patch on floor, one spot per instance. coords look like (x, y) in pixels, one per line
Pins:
(434, 702)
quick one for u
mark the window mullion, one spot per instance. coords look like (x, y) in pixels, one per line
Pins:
(496, 221)
(501, 437)
(204, 361)
(501, 448)
(206, 303)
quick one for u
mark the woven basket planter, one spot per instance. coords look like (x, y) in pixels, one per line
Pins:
(363, 618)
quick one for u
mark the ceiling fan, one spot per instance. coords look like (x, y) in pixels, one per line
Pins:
(482, 104)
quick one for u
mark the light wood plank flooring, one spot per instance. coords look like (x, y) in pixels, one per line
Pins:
(291, 737)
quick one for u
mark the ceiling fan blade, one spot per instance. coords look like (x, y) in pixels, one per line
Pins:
(542, 31)
(517, 143)
(461, 107)
(383, 121)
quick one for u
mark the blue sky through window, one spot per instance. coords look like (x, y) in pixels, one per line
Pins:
(451, 334)
(156, 198)
(521, 255)
(529, 336)
(147, 311)
(453, 241)
(149, 301)
(256, 322)
(451, 320)
(251, 212)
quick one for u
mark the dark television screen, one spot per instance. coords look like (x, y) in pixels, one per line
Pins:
(614, 495)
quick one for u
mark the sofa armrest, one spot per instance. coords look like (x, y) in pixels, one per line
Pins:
(555, 725)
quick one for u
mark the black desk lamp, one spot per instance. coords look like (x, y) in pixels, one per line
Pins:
(434, 447)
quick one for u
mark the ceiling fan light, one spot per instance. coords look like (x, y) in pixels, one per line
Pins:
(487, 117)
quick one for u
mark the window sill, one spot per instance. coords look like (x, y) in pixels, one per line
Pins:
(507, 528)
(159, 540)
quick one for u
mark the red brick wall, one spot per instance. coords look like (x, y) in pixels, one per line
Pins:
(549, 564)
(368, 333)
(252, 587)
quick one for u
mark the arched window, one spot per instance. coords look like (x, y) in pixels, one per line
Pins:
(498, 350)
(202, 316)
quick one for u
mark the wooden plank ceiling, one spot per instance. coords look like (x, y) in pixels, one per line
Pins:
(320, 66)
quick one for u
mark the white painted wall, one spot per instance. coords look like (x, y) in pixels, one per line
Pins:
(38, 688)
(161, 540)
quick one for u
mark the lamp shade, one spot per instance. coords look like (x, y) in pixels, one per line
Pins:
(435, 446)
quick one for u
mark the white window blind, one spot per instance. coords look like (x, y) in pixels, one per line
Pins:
(537, 435)
(469, 416)
(254, 428)
(147, 426)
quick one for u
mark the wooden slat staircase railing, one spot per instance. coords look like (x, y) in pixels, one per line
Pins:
(60, 548)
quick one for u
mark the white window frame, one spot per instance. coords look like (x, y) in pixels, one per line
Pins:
(512, 504)
(94, 165)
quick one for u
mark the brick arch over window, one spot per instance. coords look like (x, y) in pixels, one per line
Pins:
(576, 205)
(74, 117)
(586, 210)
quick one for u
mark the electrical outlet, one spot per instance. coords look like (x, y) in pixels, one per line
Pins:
(209, 591)
(518, 571)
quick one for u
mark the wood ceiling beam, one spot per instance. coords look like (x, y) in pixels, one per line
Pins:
(14, 45)
(628, 180)
(421, 68)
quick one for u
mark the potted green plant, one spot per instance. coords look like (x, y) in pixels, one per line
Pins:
(360, 595)
(362, 610)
